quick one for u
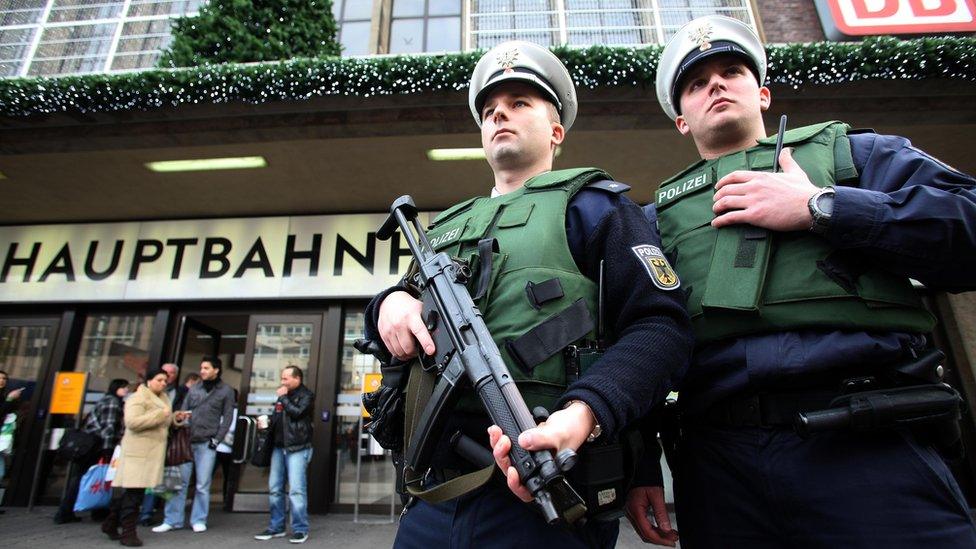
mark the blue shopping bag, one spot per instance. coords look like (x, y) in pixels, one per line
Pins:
(94, 492)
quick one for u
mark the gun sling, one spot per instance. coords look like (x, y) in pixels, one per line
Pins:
(420, 385)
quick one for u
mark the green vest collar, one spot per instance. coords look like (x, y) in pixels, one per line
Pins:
(798, 135)
(573, 178)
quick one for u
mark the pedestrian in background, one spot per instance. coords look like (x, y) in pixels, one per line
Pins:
(211, 405)
(104, 422)
(290, 433)
(148, 415)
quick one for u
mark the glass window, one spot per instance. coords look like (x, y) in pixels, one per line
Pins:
(21, 12)
(425, 26)
(587, 22)
(353, 448)
(13, 49)
(354, 20)
(407, 36)
(114, 346)
(444, 34)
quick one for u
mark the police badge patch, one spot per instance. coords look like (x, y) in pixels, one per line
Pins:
(657, 266)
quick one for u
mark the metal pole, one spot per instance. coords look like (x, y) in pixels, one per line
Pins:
(359, 466)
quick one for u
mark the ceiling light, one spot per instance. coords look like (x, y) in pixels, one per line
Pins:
(201, 164)
(463, 154)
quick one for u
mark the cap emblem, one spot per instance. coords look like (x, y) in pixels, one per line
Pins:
(507, 59)
(702, 36)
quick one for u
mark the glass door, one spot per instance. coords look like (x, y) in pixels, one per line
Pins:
(273, 343)
(25, 350)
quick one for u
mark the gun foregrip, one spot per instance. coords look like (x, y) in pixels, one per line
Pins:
(491, 397)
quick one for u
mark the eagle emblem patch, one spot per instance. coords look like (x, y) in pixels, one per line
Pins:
(702, 36)
(657, 266)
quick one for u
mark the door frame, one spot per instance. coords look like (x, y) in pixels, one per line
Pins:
(19, 484)
(310, 372)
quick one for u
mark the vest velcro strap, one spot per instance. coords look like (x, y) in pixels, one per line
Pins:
(543, 292)
(486, 246)
(551, 336)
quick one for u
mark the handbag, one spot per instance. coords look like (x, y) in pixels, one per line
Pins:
(76, 444)
(94, 492)
(262, 451)
(178, 449)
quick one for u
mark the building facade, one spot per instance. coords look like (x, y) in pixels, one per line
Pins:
(113, 262)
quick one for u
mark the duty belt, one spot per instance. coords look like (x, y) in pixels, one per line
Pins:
(767, 410)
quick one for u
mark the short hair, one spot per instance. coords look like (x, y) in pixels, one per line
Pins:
(173, 364)
(4, 374)
(295, 372)
(192, 376)
(553, 112)
(116, 384)
(213, 360)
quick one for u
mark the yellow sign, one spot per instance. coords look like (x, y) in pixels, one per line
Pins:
(69, 393)
(371, 382)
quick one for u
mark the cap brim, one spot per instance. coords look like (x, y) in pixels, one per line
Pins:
(517, 76)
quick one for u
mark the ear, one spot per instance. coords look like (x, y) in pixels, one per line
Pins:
(682, 126)
(558, 134)
(765, 98)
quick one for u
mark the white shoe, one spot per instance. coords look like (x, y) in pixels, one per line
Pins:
(199, 527)
(163, 528)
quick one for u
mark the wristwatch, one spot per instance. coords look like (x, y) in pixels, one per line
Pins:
(597, 430)
(821, 206)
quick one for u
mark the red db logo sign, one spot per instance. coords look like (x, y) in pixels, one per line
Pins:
(843, 18)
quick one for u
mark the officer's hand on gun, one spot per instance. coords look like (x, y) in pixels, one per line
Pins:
(566, 428)
(401, 326)
(775, 201)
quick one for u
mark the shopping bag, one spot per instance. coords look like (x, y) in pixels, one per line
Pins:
(171, 484)
(7, 433)
(113, 464)
(94, 492)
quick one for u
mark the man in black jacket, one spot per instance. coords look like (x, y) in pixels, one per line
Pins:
(290, 434)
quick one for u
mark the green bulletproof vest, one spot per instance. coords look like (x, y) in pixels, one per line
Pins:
(745, 280)
(536, 296)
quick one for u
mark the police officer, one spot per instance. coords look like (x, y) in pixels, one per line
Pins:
(553, 228)
(799, 289)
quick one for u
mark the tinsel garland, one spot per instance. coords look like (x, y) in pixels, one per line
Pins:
(795, 65)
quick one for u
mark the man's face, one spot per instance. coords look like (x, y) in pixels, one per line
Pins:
(170, 373)
(289, 381)
(719, 99)
(3, 380)
(517, 127)
(207, 371)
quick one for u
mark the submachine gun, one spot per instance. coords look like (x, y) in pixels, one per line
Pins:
(466, 353)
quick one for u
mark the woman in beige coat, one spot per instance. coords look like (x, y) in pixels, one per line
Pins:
(148, 415)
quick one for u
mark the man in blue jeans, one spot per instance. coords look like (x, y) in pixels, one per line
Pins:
(211, 405)
(290, 434)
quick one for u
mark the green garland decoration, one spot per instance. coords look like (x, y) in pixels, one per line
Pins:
(796, 65)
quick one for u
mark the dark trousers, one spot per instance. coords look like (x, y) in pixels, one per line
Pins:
(76, 470)
(493, 517)
(126, 501)
(768, 488)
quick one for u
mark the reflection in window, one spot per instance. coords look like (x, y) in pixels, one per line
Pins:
(114, 346)
(425, 26)
(376, 476)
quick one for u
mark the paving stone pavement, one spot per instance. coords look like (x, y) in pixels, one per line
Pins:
(35, 530)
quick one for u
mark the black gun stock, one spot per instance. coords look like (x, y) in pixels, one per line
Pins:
(455, 322)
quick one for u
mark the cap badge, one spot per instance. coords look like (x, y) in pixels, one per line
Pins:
(702, 35)
(507, 59)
